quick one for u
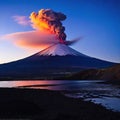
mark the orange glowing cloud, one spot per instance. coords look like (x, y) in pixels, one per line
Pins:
(44, 26)
(31, 39)
(49, 21)
(38, 23)
(48, 30)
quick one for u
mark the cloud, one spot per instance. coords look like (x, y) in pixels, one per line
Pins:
(22, 20)
(31, 39)
(49, 20)
(39, 38)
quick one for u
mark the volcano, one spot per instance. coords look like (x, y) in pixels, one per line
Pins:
(59, 50)
(55, 61)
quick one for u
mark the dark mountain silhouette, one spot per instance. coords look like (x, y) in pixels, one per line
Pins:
(53, 62)
(111, 73)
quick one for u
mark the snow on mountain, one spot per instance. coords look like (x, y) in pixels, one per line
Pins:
(60, 50)
(55, 61)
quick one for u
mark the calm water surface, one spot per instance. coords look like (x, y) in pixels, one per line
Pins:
(95, 91)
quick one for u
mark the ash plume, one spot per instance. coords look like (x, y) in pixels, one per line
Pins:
(49, 20)
(48, 30)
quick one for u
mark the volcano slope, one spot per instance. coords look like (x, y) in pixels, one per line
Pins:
(53, 62)
(112, 74)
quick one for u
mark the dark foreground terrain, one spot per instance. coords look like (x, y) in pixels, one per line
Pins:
(49, 105)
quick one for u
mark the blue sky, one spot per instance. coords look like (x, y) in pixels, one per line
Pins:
(97, 21)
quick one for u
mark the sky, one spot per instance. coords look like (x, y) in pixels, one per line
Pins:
(96, 21)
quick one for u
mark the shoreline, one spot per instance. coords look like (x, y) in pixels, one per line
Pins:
(49, 105)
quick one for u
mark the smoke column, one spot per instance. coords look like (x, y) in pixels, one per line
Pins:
(48, 31)
(50, 21)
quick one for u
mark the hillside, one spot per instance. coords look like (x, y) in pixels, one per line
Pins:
(111, 73)
(53, 62)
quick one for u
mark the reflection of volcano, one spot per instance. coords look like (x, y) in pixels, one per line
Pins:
(57, 60)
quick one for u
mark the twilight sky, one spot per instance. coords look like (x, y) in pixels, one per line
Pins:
(97, 21)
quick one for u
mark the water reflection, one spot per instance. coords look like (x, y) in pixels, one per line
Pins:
(97, 91)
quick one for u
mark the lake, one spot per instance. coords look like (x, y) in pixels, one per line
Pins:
(90, 90)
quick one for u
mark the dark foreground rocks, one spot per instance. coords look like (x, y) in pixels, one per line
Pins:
(49, 105)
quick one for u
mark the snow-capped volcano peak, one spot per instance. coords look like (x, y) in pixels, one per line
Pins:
(60, 50)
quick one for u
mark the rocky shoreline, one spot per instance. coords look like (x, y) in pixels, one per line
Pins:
(16, 103)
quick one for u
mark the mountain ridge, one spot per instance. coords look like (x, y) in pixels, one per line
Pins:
(46, 66)
(110, 73)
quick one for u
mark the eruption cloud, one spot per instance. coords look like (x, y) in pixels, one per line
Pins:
(50, 21)
(73, 41)
(48, 30)
(31, 39)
